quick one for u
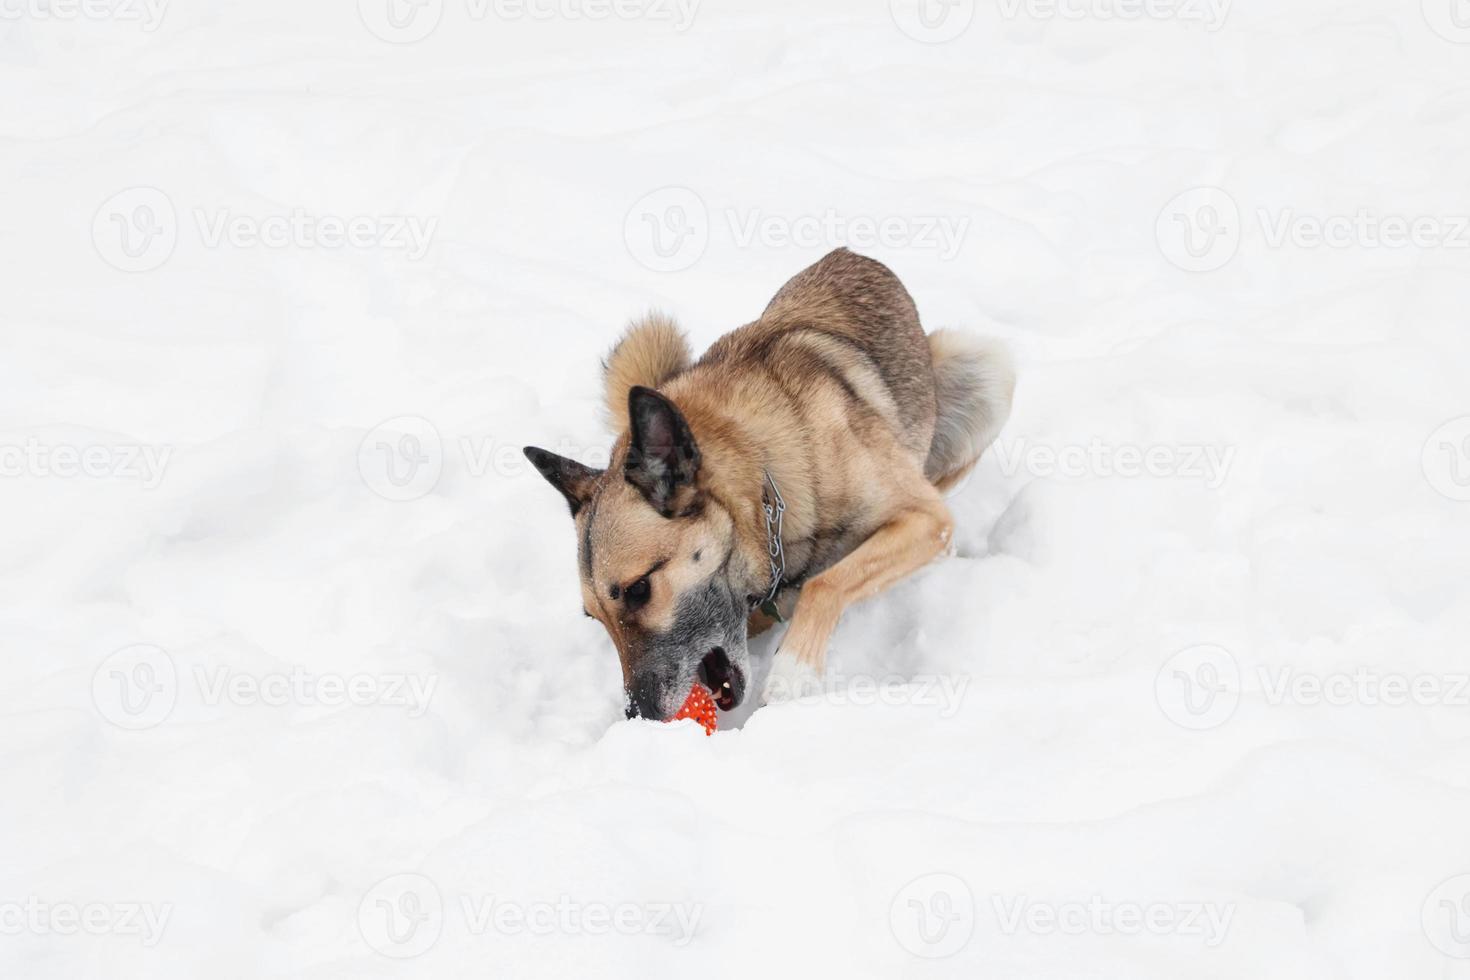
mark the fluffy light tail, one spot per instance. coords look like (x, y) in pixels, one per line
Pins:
(974, 380)
(651, 351)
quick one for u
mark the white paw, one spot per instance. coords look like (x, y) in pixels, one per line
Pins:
(790, 679)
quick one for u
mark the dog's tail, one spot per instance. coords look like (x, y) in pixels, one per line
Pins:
(974, 380)
(651, 351)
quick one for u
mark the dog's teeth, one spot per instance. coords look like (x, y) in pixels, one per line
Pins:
(726, 685)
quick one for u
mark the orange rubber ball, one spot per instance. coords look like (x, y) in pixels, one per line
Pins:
(701, 707)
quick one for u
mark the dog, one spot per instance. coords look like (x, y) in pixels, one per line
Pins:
(801, 461)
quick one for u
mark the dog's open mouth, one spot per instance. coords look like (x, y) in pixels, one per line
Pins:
(725, 681)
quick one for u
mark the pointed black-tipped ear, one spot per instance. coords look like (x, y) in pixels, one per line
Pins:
(575, 481)
(662, 457)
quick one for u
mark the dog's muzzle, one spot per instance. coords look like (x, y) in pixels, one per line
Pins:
(650, 697)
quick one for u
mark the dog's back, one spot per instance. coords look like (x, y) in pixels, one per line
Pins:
(842, 306)
(845, 325)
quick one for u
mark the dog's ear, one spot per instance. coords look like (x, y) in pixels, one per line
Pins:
(575, 481)
(662, 457)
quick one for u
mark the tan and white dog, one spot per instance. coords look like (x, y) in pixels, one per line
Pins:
(802, 457)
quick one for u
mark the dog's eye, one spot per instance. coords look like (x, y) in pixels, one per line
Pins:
(638, 592)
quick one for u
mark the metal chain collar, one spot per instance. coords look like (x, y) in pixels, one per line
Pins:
(774, 507)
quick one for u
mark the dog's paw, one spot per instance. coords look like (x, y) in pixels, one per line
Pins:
(790, 678)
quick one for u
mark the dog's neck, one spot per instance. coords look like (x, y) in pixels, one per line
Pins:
(738, 452)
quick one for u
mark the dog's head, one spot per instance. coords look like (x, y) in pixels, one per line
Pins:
(655, 551)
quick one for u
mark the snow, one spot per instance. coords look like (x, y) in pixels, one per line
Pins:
(297, 681)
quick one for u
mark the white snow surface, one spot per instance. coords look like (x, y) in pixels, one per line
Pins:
(312, 723)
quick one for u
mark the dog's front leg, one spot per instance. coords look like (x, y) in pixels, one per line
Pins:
(906, 542)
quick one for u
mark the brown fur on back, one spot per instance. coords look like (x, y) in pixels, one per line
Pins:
(859, 303)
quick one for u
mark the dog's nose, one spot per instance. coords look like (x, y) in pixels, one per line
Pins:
(643, 699)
